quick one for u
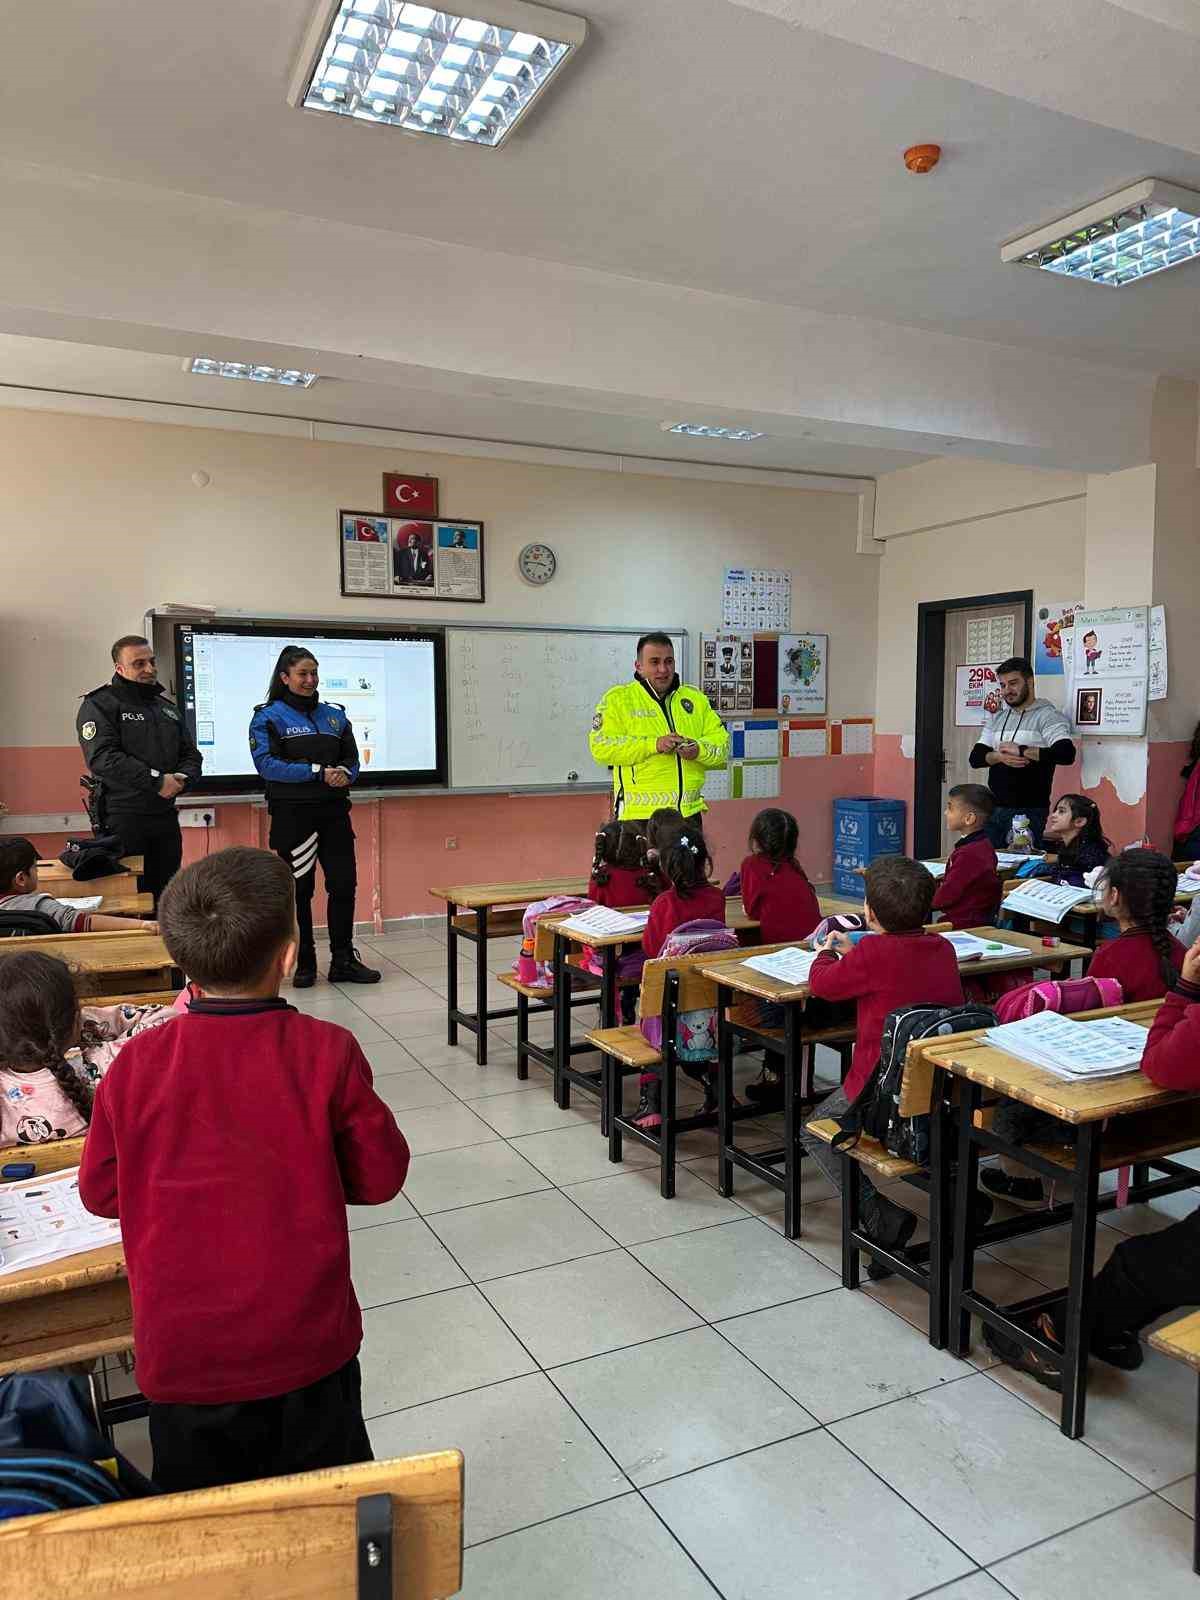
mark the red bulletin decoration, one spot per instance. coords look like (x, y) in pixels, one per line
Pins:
(406, 496)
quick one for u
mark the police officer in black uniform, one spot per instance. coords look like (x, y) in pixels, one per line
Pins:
(304, 750)
(134, 741)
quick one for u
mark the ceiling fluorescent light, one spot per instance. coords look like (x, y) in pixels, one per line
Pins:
(1129, 235)
(466, 79)
(702, 430)
(288, 376)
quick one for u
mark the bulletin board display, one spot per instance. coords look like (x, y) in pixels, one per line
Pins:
(1110, 671)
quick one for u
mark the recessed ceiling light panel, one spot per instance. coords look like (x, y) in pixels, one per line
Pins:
(702, 430)
(1127, 236)
(468, 79)
(290, 377)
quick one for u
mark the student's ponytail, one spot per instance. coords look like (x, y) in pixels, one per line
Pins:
(1146, 882)
(39, 1021)
(686, 862)
(604, 851)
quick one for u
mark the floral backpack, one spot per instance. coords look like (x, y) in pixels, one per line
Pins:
(1064, 994)
(540, 974)
(695, 1031)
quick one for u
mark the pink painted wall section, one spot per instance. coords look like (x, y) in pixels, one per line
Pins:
(402, 842)
(1164, 790)
(895, 777)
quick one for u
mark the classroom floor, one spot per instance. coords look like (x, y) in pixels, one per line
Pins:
(667, 1398)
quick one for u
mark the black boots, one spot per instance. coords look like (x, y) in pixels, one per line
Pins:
(345, 967)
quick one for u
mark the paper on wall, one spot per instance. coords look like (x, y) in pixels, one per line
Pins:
(1157, 654)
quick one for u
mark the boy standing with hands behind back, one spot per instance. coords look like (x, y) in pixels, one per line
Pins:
(969, 894)
(229, 1145)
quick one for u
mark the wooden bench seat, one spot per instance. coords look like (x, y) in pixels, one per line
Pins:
(529, 990)
(866, 1151)
(1181, 1341)
(500, 924)
(627, 1045)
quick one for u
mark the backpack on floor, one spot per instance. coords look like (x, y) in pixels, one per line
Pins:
(53, 1456)
(540, 974)
(876, 1112)
(695, 1031)
(1059, 994)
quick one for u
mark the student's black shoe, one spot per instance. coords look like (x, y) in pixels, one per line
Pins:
(1046, 1370)
(345, 967)
(766, 1092)
(705, 1074)
(305, 974)
(1028, 1193)
(1125, 1352)
(649, 1112)
(890, 1226)
(981, 1211)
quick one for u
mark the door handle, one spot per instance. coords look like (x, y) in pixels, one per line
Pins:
(944, 764)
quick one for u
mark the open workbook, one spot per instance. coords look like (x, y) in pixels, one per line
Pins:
(1048, 902)
(43, 1219)
(1105, 1047)
(601, 921)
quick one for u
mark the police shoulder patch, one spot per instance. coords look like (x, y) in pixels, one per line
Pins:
(170, 711)
(88, 731)
(597, 721)
(688, 705)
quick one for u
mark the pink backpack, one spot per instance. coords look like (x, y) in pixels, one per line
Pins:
(540, 974)
(1064, 994)
(696, 1031)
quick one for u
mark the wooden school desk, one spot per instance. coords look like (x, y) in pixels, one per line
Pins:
(1150, 1125)
(736, 977)
(118, 891)
(477, 912)
(106, 963)
(74, 1309)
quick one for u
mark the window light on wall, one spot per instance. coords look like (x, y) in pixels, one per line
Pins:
(708, 430)
(1119, 240)
(467, 79)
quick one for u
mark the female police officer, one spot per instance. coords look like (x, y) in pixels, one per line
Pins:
(305, 752)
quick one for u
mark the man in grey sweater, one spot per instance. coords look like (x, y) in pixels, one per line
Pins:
(1020, 745)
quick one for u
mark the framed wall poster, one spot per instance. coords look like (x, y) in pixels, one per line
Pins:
(976, 695)
(727, 670)
(1110, 667)
(803, 658)
(403, 558)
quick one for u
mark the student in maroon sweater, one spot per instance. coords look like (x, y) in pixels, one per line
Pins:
(620, 878)
(900, 964)
(229, 1144)
(1150, 1274)
(969, 893)
(1138, 892)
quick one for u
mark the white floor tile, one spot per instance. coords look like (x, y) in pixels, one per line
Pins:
(518, 1235)
(444, 1127)
(451, 1178)
(733, 1269)
(398, 1262)
(993, 1474)
(1142, 1549)
(630, 1207)
(571, 1155)
(441, 1344)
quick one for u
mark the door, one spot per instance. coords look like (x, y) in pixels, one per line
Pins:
(978, 638)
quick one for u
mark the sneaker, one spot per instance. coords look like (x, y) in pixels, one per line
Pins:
(1044, 1369)
(649, 1112)
(1028, 1193)
(890, 1226)
(345, 967)
(305, 974)
(766, 1092)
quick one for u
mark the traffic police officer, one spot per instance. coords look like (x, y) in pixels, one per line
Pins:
(659, 736)
(135, 743)
(304, 750)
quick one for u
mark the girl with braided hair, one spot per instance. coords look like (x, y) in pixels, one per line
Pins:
(42, 1096)
(1138, 892)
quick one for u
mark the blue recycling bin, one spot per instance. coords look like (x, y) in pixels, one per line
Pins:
(864, 828)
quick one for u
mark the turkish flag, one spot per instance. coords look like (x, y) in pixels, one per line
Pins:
(408, 496)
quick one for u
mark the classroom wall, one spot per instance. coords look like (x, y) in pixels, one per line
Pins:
(1007, 528)
(102, 519)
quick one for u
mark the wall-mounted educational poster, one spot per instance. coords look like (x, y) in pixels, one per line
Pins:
(727, 670)
(757, 598)
(1052, 622)
(1157, 654)
(803, 659)
(1110, 668)
(804, 736)
(976, 695)
(852, 736)
(990, 639)
(409, 559)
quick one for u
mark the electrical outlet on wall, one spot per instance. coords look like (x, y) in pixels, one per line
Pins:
(451, 844)
(196, 817)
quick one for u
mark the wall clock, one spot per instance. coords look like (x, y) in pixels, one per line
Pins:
(537, 564)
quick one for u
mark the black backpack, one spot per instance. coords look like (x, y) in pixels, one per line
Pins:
(876, 1112)
(24, 924)
(53, 1456)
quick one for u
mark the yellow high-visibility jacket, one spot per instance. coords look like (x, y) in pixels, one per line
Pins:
(628, 724)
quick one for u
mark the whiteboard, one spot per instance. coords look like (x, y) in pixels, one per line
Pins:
(522, 701)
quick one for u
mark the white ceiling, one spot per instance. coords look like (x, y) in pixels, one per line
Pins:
(749, 149)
